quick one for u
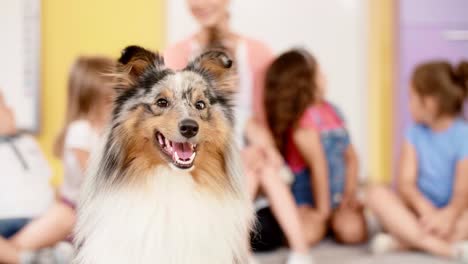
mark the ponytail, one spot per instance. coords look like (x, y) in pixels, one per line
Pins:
(462, 75)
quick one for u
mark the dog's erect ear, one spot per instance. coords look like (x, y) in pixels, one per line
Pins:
(133, 62)
(216, 66)
(219, 70)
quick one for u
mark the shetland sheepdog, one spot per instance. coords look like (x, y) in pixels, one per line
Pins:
(166, 185)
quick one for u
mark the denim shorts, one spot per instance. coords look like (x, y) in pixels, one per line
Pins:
(9, 227)
(334, 143)
(302, 189)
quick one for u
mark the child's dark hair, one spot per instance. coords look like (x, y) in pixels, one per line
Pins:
(448, 84)
(290, 88)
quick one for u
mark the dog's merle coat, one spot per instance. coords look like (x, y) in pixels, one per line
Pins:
(137, 207)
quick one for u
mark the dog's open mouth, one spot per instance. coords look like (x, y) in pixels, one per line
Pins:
(182, 154)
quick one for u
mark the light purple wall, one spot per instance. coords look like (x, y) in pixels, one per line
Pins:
(432, 12)
(423, 26)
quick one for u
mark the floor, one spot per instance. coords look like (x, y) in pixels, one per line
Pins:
(329, 253)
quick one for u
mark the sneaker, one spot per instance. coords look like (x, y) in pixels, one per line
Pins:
(383, 243)
(299, 258)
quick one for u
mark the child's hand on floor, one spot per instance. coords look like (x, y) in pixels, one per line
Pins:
(440, 223)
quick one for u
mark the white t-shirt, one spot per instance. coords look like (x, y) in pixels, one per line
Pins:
(80, 135)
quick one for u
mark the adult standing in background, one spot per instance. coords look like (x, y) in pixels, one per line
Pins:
(262, 163)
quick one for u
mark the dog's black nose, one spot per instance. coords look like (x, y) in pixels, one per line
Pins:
(188, 128)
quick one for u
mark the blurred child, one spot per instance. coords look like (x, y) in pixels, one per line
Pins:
(277, 216)
(8, 128)
(429, 212)
(310, 132)
(88, 109)
(22, 162)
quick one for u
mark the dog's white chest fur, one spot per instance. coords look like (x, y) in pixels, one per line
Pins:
(170, 221)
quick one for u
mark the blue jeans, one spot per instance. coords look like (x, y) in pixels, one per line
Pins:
(9, 227)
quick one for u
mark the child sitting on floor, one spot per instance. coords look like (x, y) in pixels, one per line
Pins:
(429, 211)
(88, 109)
(311, 133)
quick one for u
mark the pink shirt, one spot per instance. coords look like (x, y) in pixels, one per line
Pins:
(259, 57)
(321, 118)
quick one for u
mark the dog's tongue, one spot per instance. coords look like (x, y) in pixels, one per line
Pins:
(184, 150)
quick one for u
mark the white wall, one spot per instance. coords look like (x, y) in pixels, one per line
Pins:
(335, 31)
(19, 50)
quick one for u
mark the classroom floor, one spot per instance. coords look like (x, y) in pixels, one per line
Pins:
(329, 253)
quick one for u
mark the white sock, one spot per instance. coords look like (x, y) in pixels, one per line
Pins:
(300, 258)
(27, 257)
(383, 243)
(63, 253)
(460, 251)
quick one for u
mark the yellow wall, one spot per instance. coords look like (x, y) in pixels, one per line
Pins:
(74, 27)
(381, 63)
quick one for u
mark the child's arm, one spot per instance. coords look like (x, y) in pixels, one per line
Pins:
(352, 164)
(459, 202)
(309, 145)
(442, 223)
(407, 182)
(78, 141)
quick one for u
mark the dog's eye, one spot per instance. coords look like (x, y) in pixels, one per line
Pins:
(163, 103)
(200, 105)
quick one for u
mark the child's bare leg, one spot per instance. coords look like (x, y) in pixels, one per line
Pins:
(54, 226)
(461, 228)
(400, 222)
(253, 184)
(252, 176)
(349, 225)
(314, 224)
(8, 253)
(284, 208)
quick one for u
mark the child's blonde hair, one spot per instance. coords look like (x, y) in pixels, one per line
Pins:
(89, 84)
